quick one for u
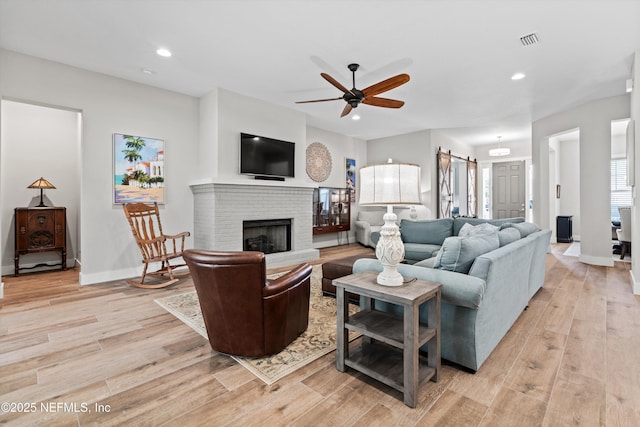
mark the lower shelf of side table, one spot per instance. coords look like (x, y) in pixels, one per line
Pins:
(385, 364)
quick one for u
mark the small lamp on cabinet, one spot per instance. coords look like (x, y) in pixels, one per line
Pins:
(41, 184)
(390, 184)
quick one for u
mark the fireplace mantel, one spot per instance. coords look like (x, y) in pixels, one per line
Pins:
(221, 206)
(253, 182)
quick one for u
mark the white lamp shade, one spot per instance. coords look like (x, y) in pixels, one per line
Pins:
(390, 184)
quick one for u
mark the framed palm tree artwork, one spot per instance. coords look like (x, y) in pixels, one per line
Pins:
(138, 169)
(350, 167)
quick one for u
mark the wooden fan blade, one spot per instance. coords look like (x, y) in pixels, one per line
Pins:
(318, 100)
(385, 85)
(383, 102)
(347, 110)
(334, 82)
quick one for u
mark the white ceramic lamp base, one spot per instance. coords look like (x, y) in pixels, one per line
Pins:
(390, 251)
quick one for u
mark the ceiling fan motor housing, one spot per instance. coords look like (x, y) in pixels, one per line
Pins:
(354, 97)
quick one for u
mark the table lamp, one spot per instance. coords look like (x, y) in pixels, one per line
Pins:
(390, 184)
(41, 183)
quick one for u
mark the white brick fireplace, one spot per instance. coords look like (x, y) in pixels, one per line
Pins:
(220, 207)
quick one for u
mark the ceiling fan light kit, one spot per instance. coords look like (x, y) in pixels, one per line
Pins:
(354, 97)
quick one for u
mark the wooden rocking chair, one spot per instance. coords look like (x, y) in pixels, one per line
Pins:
(147, 230)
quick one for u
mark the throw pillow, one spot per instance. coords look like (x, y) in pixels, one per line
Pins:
(427, 263)
(459, 222)
(470, 230)
(458, 253)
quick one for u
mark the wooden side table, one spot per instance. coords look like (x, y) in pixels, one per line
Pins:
(390, 350)
(40, 229)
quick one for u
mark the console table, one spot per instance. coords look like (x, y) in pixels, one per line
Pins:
(390, 349)
(40, 229)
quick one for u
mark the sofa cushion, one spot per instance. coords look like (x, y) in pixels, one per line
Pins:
(426, 263)
(431, 232)
(508, 235)
(372, 217)
(458, 253)
(460, 221)
(526, 228)
(419, 251)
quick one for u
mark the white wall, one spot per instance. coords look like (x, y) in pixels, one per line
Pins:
(420, 148)
(594, 122)
(519, 150)
(225, 114)
(110, 105)
(39, 141)
(554, 173)
(635, 220)
(415, 147)
(239, 113)
(569, 179)
(341, 147)
(208, 135)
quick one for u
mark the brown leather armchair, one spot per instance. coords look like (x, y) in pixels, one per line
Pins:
(245, 313)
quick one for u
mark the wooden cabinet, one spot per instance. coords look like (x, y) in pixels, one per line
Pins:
(40, 229)
(331, 210)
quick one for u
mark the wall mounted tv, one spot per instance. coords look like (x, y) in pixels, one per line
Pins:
(266, 158)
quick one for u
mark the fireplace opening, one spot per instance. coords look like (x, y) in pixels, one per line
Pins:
(268, 236)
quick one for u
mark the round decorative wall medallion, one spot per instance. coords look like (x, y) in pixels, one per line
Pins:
(318, 162)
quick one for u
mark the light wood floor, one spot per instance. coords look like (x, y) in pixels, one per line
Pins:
(572, 358)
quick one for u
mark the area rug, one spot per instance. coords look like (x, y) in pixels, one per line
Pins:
(318, 340)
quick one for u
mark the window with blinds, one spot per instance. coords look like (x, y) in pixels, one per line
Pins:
(620, 191)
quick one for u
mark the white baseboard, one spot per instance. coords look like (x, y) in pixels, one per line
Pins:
(109, 276)
(595, 260)
(635, 285)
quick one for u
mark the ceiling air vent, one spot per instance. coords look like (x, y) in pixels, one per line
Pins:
(529, 39)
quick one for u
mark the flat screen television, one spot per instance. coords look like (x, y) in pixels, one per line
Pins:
(266, 157)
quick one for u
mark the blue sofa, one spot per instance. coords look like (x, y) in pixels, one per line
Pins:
(423, 239)
(487, 282)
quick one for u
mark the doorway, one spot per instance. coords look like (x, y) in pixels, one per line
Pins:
(508, 189)
(39, 141)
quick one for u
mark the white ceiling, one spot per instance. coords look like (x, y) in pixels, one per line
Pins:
(460, 54)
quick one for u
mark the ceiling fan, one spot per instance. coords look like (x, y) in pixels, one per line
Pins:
(367, 96)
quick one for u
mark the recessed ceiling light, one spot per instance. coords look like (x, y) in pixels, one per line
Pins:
(518, 76)
(355, 117)
(164, 52)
